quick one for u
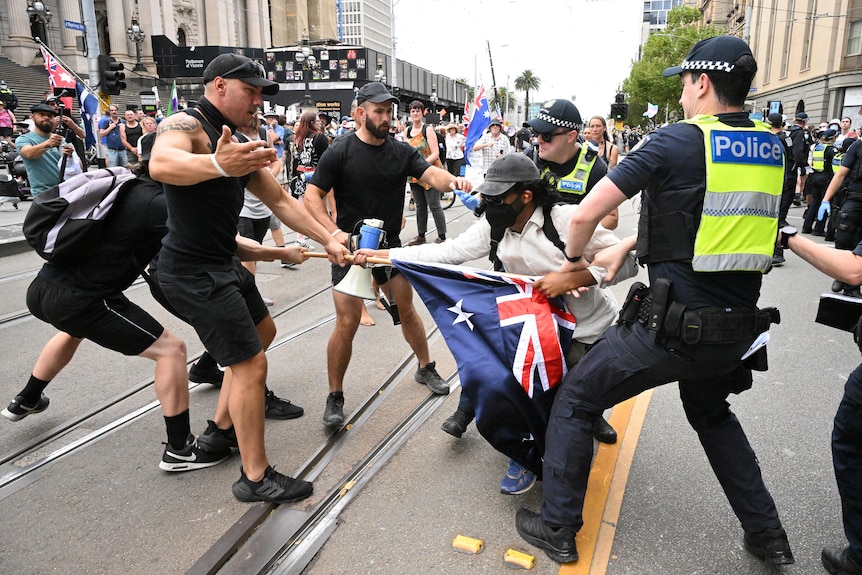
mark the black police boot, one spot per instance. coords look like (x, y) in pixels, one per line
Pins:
(559, 543)
(603, 431)
(456, 424)
(838, 561)
(770, 545)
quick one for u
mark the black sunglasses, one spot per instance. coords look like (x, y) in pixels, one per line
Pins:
(549, 136)
(500, 200)
(256, 68)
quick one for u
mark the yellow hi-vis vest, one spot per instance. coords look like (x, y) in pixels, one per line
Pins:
(818, 157)
(744, 177)
(573, 187)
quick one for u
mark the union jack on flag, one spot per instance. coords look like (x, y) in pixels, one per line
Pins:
(58, 76)
(509, 342)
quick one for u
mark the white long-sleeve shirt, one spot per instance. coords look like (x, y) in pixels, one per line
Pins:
(531, 253)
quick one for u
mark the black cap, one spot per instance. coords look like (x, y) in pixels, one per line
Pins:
(829, 134)
(716, 54)
(775, 120)
(801, 116)
(374, 92)
(241, 68)
(505, 172)
(556, 114)
(43, 108)
(147, 141)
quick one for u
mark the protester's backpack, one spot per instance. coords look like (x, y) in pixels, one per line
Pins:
(65, 222)
(441, 142)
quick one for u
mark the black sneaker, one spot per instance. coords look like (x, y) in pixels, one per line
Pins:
(218, 440)
(428, 376)
(770, 545)
(333, 415)
(191, 457)
(18, 410)
(273, 488)
(456, 424)
(559, 544)
(213, 376)
(278, 408)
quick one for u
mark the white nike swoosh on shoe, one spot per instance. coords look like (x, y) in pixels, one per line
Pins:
(191, 457)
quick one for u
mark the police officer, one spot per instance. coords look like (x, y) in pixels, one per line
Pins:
(696, 176)
(821, 161)
(575, 166)
(843, 265)
(776, 123)
(848, 230)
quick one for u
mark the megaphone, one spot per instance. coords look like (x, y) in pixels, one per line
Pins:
(357, 282)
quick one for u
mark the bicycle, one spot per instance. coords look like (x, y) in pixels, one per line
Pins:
(447, 199)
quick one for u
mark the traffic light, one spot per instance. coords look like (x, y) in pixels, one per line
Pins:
(111, 77)
(619, 112)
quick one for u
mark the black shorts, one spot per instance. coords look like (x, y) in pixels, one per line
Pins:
(381, 274)
(4, 132)
(252, 228)
(112, 322)
(223, 306)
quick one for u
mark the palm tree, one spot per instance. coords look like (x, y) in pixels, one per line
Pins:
(527, 81)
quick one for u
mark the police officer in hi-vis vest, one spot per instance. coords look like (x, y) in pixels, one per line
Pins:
(708, 225)
(572, 166)
(848, 224)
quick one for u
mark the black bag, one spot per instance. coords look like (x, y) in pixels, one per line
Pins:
(441, 142)
(65, 222)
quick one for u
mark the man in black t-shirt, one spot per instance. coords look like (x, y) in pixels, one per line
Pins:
(366, 172)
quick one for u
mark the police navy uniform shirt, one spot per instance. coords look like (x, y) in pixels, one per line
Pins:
(674, 158)
(368, 181)
(853, 155)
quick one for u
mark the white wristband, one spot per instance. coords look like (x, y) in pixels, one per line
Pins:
(218, 168)
(335, 233)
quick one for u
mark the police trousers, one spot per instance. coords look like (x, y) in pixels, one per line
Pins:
(622, 364)
(847, 460)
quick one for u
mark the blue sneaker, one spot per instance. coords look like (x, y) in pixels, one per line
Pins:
(518, 479)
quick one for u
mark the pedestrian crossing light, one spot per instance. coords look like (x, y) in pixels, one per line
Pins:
(111, 76)
(619, 109)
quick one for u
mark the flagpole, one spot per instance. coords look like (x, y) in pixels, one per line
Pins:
(71, 71)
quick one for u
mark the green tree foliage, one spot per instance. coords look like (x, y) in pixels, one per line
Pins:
(506, 102)
(525, 82)
(669, 47)
(471, 91)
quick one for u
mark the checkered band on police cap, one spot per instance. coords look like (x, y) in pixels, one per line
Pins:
(707, 65)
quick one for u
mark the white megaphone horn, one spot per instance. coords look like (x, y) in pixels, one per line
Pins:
(357, 283)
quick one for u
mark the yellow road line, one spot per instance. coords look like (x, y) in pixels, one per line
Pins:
(606, 487)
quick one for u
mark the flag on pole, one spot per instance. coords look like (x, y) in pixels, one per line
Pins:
(89, 105)
(509, 342)
(58, 77)
(478, 123)
(651, 110)
(174, 104)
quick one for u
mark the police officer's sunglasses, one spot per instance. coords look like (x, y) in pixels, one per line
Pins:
(548, 137)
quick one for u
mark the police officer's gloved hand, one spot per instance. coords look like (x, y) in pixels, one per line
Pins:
(824, 210)
(472, 202)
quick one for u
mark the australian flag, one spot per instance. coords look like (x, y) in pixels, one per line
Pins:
(479, 122)
(89, 106)
(509, 342)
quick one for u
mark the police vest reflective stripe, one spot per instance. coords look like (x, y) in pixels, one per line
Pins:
(574, 185)
(836, 160)
(818, 157)
(744, 177)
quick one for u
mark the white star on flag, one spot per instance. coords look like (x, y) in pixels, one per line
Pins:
(461, 315)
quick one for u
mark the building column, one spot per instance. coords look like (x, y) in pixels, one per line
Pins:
(69, 11)
(117, 25)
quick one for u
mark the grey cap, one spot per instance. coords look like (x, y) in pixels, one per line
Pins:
(374, 92)
(505, 172)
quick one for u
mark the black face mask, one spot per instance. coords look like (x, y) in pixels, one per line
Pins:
(502, 216)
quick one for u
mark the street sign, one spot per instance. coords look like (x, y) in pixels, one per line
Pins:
(74, 26)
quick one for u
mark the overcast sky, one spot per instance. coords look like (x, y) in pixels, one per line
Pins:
(580, 48)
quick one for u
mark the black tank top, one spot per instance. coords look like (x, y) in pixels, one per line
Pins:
(134, 134)
(202, 218)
